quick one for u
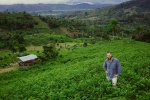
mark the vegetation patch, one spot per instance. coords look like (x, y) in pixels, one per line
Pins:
(79, 74)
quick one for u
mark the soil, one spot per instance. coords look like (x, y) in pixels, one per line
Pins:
(9, 68)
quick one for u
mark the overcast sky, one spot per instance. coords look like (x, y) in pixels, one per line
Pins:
(59, 1)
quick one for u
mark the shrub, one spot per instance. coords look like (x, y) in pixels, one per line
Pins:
(49, 52)
(19, 54)
(85, 44)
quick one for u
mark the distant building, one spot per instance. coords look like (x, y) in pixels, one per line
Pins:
(27, 60)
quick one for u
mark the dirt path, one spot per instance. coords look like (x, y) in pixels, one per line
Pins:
(9, 68)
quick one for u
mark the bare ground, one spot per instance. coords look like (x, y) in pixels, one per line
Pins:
(9, 68)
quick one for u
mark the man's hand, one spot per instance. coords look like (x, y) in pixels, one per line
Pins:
(115, 75)
(106, 72)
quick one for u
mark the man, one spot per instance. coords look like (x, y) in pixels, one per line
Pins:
(112, 68)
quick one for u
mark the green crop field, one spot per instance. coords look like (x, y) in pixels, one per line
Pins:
(43, 39)
(78, 75)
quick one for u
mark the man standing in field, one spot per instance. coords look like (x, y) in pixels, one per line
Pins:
(112, 68)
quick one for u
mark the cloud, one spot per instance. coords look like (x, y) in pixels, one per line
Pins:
(59, 1)
(31, 1)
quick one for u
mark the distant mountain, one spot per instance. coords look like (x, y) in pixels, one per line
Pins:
(130, 8)
(37, 7)
(133, 11)
(141, 5)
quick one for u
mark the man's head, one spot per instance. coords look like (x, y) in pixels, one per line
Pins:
(109, 55)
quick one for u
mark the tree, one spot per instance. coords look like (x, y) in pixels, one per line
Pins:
(141, 34)
(49, 52)
(113, 27)
(91, 30)
(16, 41)
(53, 23)
(16, 21)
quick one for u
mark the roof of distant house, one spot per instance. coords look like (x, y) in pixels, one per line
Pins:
(28, 57)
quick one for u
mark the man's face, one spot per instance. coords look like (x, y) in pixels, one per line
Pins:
(109, 55)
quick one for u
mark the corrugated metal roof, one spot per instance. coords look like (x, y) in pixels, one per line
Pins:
(28, 57)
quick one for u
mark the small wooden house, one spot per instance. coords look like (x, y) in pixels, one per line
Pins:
(27, 60)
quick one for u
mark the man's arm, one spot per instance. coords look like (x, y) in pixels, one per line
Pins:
(119, 69)
(105, 66)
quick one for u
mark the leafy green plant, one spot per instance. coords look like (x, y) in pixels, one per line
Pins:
(6, 58)
(49, 52)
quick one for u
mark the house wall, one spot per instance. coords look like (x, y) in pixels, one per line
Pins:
(28, 63)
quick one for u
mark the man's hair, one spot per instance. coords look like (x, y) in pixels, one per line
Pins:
(108, 52)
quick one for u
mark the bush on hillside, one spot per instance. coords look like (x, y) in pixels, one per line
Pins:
(141, 34)
(143, 37)
(49, 52)
(7, 57)
(85, 44)
(20, 54)
(13, 41)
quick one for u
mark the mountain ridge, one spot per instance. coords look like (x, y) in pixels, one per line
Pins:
(124, 11)
(36, 7)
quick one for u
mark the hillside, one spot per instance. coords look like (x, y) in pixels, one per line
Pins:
(78, 74)
(135, 10)
(133, 18)
(20, 29)
(41, 24)
(130, 8)
(16, 21)
(137, 5)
